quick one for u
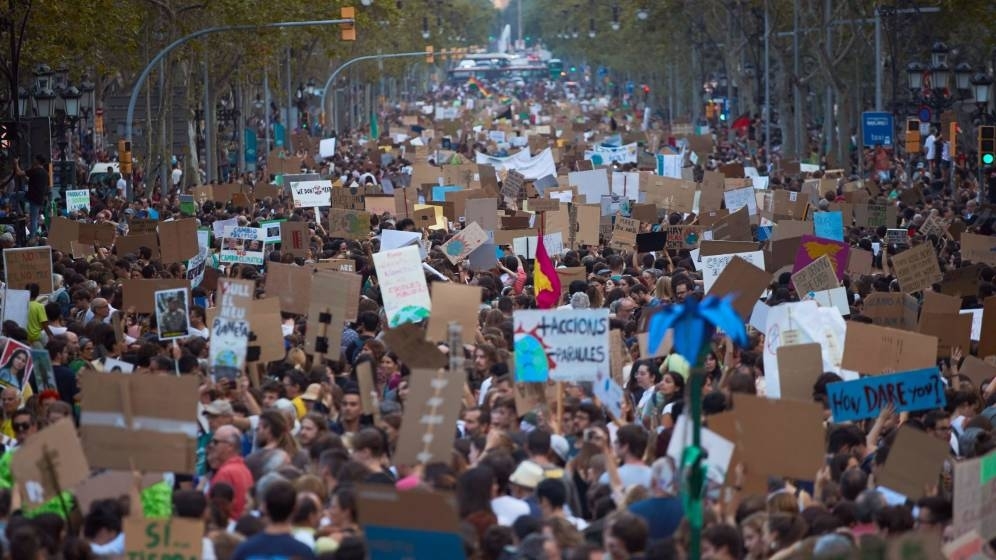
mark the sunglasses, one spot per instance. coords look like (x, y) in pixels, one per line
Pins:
(217, 441)
(21, 426)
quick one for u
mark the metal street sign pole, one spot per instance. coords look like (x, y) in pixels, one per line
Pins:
(137, 88)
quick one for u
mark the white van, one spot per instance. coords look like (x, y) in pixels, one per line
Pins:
(100, 171)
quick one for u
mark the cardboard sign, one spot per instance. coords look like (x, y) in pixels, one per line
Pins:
(744, 281)
(49, 461)
(409, 524)
(741, 198)
(914, 463)
(511, 187)
(402, 284)
(28, 265)
(142, 226)
(140, 293)
(917, 268)
(291, 284)
(132, 244)
(350, 224)
(561, 344)
(409, 342)
(978, 248)
(295, 237)
(798, 450)
(874, 215)
(874, 350)
(812, 248)
(799, 365)
(465, 242)
(683, 237)
(484, 211)
(453, 302)
(148, 422)
(951, 330)
(150, 539)
(973, 498)
(62, 232)
(178, 240)
(624, 233)
(734, 227)
(987, 338)
(713, 265)
(908, 391)
(816, 276)
(893, 310)
(96, 234)
(427, 426)
(860, 263)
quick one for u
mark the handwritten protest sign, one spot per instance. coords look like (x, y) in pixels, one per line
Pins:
(561, 344)
(402, 284)
(152, 539)
(243, 245)
(350, 224)
(908, 391)
(29, 265)
(738, 198)
(816, 276)
(713, 265)
(829, 225)
(917, 269)
(77, 200)
(978, 248)
(465, 242)
(311, 194)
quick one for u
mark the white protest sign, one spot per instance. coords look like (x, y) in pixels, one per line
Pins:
(402, 285)
(738, 198)
(77, 200)
(561, 344)
(311, 194)
(712, 266)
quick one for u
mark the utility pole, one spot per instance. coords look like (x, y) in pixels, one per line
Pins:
(767, 90)
(828, 105)
(800, 144)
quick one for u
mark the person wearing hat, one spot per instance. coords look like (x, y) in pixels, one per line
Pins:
(523, 482)
(216, 414)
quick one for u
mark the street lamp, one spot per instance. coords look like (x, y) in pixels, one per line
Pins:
(591, 28)
(642, 14)
(981, 88)
(914, 75)
(615, 17)
(963, 76)
(23, 101)
(425, 27)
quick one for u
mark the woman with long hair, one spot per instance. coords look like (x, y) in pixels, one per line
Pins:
(13, 371)
(476, 487)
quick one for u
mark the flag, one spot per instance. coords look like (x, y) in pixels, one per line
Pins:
(374, 127)
(506, 114)
(546, 281)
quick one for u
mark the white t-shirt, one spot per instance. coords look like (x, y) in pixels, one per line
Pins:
(930, 146)
(204, 333)
(176, 176)
(507, 509)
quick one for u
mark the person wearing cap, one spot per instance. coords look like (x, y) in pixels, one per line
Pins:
(540, 447)
(225, 458)
(217, 413)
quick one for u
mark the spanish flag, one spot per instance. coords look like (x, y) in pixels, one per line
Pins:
(546, 282)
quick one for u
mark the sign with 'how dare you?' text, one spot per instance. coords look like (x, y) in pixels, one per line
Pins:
(908, 391)
(561, 344)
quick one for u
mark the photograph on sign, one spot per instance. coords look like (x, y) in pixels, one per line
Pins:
(172, 313)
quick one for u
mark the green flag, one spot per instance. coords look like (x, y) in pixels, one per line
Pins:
(374, 128)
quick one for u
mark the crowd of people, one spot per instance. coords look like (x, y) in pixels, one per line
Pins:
(282, 464)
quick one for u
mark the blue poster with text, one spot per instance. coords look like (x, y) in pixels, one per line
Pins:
(908, 391)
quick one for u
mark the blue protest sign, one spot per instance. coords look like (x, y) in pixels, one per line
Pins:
(909, 391)
(876, 128)
(396, 543)
(439, 191)
(829, 225)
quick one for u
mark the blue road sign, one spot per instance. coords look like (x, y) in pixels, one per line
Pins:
(876, 128)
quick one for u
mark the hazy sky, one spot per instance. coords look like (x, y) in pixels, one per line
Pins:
(500, 4)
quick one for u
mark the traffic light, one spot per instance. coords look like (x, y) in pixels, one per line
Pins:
(348, 30)
(987, 144)
(912, 136)
(124, 157)
(430, 56)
